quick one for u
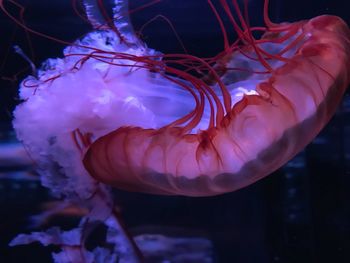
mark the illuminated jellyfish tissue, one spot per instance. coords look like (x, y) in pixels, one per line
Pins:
(113, 112)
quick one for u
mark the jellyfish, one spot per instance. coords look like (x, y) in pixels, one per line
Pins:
(263, 100)
(115, 113)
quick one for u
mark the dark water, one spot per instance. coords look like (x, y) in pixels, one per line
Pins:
(299, 214)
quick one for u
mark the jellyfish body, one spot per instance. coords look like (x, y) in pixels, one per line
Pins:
(125, 118)
(262, 131)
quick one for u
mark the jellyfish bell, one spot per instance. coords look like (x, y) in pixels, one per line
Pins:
(273, 116)
(114, 111)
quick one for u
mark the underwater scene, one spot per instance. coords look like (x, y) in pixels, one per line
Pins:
(174, 131)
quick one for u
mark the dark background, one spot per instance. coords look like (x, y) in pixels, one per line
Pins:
(301, 213)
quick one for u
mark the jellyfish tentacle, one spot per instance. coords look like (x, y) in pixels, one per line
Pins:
(93, 14)
(122, 21)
